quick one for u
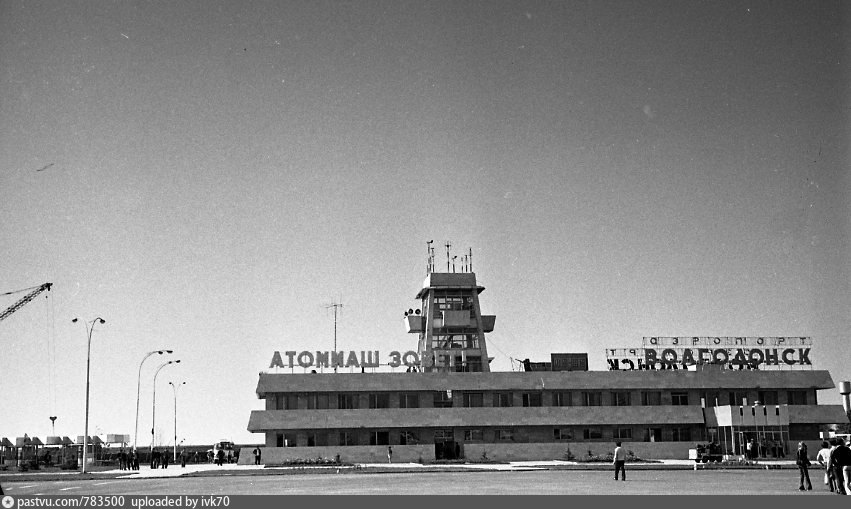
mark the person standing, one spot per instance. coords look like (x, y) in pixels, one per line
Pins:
(803, 461)
(389, 454)
(619, 460)
(822, 457)
(839, 459)
(183, 458)
(165, 459)
(257, 454)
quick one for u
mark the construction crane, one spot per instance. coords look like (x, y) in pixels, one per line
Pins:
(26, 298)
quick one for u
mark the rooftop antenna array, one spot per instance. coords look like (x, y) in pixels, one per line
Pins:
(336, 306)
(466, 260)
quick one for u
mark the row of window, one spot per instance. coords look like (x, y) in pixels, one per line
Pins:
(446, 399)
(472, 435)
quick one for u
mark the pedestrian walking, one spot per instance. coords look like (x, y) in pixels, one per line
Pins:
(389, 454)
(165, 459)
(220, 457)
(183, 458)
(803, 461)
(619, 460)
(839, 459)
(822, 458)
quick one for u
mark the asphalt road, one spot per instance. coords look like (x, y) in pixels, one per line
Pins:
(541, 482)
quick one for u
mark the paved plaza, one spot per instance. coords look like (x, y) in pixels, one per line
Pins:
(520, 478)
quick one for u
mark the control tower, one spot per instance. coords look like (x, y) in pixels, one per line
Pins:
(451, 327)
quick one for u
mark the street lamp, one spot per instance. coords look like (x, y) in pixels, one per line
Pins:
(154, 409)
(174, 390)
(90, 327)
(138, 387)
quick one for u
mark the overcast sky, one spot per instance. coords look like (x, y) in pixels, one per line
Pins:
(216, 173)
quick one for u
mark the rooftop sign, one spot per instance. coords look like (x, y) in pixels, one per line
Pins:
(737, 352)
(342, 359)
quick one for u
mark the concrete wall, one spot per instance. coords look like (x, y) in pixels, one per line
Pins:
(472, 452)
(551, 451)
(350, 454)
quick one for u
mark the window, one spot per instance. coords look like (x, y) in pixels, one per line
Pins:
(768, 397)
(593, 433)
(620, 398)
(562, 433)
(710, 399)
(562, 399)
(473, 435)
(622, 434)
(379, 400)
(474, 399)
(379, 438)
(347, 438)
(502, 399)
(443, 435)
(592, 398)
(681, 435)
(532, 399)
(796, 397)
(286, 401)
(409, 437)
(443, 399)
(653, 435)
(286, 440)
(317, 439)
(317, 401)
(409, 400)
(679, 398)
(456, 341)
(738, 397)
(504, 434)
(474, 364)
(347, 401)
(279, 439)
(651, 398)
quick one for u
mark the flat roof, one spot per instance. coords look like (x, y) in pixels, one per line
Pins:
(546, 380)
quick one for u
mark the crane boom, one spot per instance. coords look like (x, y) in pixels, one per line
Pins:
(26, 298)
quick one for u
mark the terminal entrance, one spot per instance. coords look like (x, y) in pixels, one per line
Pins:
(445, 446)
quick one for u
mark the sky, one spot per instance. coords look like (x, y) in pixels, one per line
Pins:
(209, 176)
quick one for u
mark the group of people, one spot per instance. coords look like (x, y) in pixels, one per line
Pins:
(764, 449)
(159, 459)
(835, 458)
(128, 460)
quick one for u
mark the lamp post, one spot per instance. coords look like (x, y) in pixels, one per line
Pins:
(154, 409)
(845, 391)
(174, 390)
(138, 387)
(90, 327)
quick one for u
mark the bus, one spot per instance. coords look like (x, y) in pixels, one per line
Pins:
(227, 447)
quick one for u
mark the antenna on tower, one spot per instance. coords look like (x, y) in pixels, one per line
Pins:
(453, 263)
(336, 306)
(448, 245)
(470, 260)
(430, 260)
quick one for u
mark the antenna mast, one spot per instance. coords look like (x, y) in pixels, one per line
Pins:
(335, 305)
(430, 261)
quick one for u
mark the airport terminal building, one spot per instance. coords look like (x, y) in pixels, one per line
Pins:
(444, 403)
